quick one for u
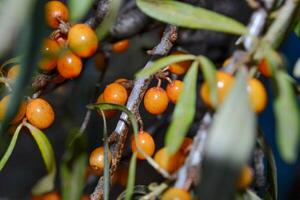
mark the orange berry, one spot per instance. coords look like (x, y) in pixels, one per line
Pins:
(176, 194)
(40, 113)
(179, 68)
(49, 55)
(115, 93)
(156, 100)
(245, 178)
(264, 68)
(47, 196)
(166, 161)
(69, 65)
(174, 89)
(108, 113)
(100, 61)
(55, 11)
(224, 83)
(13, 72)
(3, 107)
(146, 143)
(120, 46)
(258, 95)
(97, 159)
(82, 40)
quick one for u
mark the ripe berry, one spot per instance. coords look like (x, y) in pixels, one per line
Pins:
(40, 113)
(55, 11)
(179, 68)
(49, 55)
(120, 46)
(258, 95)
(82, 40)
(108, 113)
(166, 161)
(245, 178)
(47, 196)
(13, 72)
(224, 83)
(156, 100)
(3, 107)
(69, 65)
(146, 143)
(174, 89)
(97, 159)
(115, 93)
(100, 61)
(176, 194)
(264, 68)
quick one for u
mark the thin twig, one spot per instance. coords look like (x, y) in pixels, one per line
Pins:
(102, 7)
(189, 172)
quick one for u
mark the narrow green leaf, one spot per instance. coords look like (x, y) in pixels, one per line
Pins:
(11, 147)
(33, 32)
(110, 106)
(13, 14)
(162, 63)
(46, 184)
(131, 178)
(73, 166)
(209, 72)
(77, 179)
(184, 111)
(188, 16)
(287, 117)
(232, 134)
(296, 71)
(79, 9)
(65, 177)
(109, 19)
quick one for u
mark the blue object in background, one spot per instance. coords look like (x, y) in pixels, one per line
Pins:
(286, 172)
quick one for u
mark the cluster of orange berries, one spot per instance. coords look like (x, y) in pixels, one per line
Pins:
(166, 161)
(256, 90)
(156, 99)
(37, 111)
(66, 48)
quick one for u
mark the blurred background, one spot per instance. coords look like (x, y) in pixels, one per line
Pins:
(25, 166)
